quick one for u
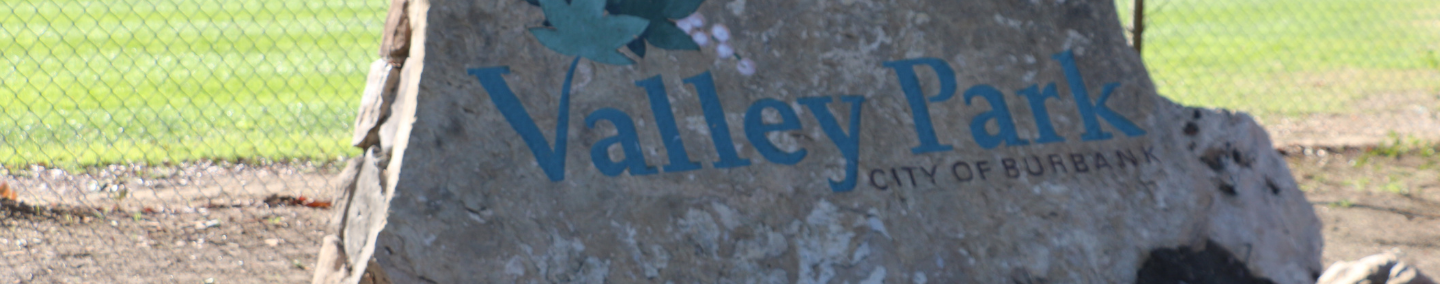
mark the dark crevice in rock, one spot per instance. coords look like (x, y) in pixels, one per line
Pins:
(1227, 188)
(1213, 158)
(1211, 264)
(1022, 276)
(1274, 189)
(1239, 159)
(1191, 129)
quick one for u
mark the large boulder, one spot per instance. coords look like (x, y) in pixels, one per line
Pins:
(852, 141)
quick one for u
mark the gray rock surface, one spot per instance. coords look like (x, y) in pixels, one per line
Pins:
(375, 103)
(395, 40)
(346, 253)
(1079, 187)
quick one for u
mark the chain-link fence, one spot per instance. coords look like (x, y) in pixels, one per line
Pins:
(174, 140)
(1314, 71)
(181, 140)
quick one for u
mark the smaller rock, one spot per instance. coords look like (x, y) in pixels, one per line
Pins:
(1403, 273)
(273, 242)
(1385, 268)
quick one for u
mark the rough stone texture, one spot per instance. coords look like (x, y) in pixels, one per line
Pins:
(375, 103)
(395, 42)
(472, 205)
(346, 255)
(362, 213)
(330, 266)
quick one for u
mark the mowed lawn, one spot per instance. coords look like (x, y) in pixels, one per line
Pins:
(1290, 57)
(154, 81)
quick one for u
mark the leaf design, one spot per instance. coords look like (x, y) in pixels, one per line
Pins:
(678, 9)
(661, 32)
(582, 29)
(668, 36)
(637, 46)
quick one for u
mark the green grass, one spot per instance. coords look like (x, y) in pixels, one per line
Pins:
(1290, 57)
(1343, 203)
(1396, 146)
(153, 81)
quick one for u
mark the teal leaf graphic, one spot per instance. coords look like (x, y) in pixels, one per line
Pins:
(637, 46)
(648, 9)
(582, 29)
(678, 9)
(668, 36)
(662, 32)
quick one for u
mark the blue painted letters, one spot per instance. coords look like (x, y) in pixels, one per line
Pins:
(665, 120)
(551, 160)
(999, 112)
(849, 144)
(910, 84)
(715, 117)
(1036, 97)
(625, 137)
(1088, 109)
(755, 129)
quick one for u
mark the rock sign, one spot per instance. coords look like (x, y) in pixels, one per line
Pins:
(852, 141)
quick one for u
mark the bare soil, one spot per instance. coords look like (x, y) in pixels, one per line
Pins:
(1371, 203)
(194, 223)
(1374, 120)
(223, 245)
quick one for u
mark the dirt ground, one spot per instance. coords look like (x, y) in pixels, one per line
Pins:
(1372, 203)
(209, 223)
(224, 245)
(1374, 120)
(193, 223)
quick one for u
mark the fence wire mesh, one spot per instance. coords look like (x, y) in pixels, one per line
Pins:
(172, 140)
(1314, 71)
